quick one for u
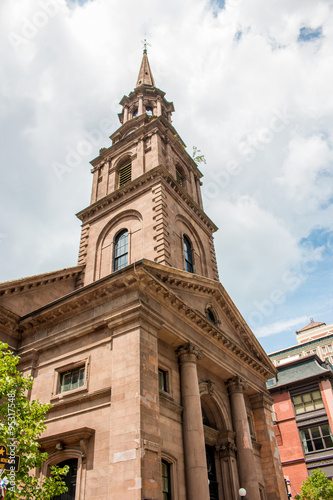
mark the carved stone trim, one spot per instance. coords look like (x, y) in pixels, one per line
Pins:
(236, 384)
(188, 352)
(226, 449)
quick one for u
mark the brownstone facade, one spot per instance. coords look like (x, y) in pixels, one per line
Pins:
(157, 385)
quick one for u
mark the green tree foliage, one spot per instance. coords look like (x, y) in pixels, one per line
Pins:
(21, 425)
(198, 158)
(316, 487)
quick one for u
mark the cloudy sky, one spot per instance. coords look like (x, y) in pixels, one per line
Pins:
(251, 81)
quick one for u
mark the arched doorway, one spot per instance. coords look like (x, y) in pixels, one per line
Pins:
(211, 456)
(70, 479)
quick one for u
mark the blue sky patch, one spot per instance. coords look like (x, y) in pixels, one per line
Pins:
(217, 5)
(307, 34)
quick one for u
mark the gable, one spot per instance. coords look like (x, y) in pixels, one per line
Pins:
(28, 294)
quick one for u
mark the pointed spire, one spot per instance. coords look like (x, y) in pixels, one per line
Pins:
(145, 75)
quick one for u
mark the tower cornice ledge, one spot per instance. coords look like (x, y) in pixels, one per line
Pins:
(105, 204)
(140, 127)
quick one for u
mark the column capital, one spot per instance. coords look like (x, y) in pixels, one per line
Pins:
(226, 449)
(236, 384)
(188, 352)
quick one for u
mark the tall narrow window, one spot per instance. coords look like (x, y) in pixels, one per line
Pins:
(179, 177)
(166, 480)
(188, 255)
(163, 380)
(125, 173)
(120, 250)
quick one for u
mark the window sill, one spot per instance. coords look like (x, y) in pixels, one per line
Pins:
(67, 394)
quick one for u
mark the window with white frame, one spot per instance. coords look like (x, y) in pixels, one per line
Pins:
(316, 438)
(308, 401)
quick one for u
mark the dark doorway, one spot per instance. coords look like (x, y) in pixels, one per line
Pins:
(213, 486)
(70, 480)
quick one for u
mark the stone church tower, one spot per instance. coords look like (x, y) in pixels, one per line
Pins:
(157, 385)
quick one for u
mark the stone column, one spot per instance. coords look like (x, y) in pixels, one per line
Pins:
(140, 109)
(246, 463)
(159, 107)
(125, 114)
(193, 432)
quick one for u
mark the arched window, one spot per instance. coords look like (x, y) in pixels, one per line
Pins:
(135, 113)
(149, 110)
(188, 255)
(179, 177)
(125, 173)
(210, 315)
(120, 259)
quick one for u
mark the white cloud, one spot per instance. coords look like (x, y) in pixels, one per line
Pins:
(281, 326)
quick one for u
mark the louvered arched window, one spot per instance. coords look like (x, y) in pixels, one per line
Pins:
(125, 173)
(188, 255)
(120, 259)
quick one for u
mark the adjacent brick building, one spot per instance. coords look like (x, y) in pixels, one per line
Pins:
(303, 405)
(157, 384)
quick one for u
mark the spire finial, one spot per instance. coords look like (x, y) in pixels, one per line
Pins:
(145, 43)
(145, 75)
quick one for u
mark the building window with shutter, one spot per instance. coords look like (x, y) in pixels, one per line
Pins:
(125, 174)
(120, 259)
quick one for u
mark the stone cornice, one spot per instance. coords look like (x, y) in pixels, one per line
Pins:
(79, 300)
(146, 275)
(68, 437)
(104, 205)
(209, 328)
(141, 127)
(191, 282)
(9, 321)
(32, 282)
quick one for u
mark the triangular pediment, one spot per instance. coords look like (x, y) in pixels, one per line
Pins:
(197, 293)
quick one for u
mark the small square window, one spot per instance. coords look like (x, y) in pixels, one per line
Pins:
(163, 380)
(72, 379)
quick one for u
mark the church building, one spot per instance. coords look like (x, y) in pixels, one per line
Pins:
(157, 384)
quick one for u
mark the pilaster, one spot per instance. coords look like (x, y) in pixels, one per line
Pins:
(270, 458)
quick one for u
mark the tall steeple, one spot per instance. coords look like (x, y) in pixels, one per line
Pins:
(145, 74)
(146, 196)
(146, 98)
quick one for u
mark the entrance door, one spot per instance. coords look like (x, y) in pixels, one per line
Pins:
(70, 480)
(213, 486)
